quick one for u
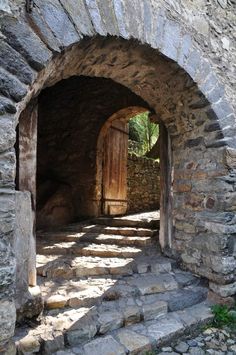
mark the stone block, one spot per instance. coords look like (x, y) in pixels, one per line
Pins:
(7, 169)
(81, 331)
(36, 19)
(96, 17)
(79, 14)
(171, 40)
(11, 87)
(185, 49)
(58, 21)
(7, 212)
(202, 312)
(52, 343)
(7, 134)
(104, 346)
(109, 321)
(154, 284)
(131, 314)
(216, 94)
(220, 264)
(165, 329)
(159, 30)
(28, 345)
(21, 37)
(148, 14)
(7, 319)
(154, 310)
(217, 299)
(134, 23)
(223, 290)
(108, 16)
(185, 278)
(222, 109)
(55, 301)
(13, 62)
(6, 106)
(120, 16)
(135, 343)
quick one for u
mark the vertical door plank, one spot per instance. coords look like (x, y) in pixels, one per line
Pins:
(115, 169)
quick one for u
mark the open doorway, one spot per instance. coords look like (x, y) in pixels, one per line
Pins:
(129, 163)
(73, 162)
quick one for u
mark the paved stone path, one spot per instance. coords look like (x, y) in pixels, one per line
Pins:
(108, 290)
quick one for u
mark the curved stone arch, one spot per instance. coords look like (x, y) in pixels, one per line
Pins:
(34, 43)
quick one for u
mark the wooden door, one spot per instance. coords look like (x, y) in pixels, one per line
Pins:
(115, 154)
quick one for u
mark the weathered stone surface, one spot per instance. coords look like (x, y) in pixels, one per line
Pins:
(223, 290)
(110, 321)
(154, 284)
(13, 62)
(7, 318)
(28, 345)
(164, 329)
(6, 106)
(84, 332)
(30, 305)
(79, 15)
(52, 343)
(132, 314)
(36, 20)
(154, 310)
(56, 301)
(104, 346)
(171, 40)
(7, 135)
(57, 19)
(133, 342)
(25, 41)
(11, 87)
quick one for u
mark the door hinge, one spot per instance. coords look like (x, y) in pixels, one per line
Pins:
(29, 5)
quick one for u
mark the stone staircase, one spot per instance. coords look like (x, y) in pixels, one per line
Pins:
(108, 290)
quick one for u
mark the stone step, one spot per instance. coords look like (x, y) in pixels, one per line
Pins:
(97, 238)
(125, 231)
(76, 292)
(61, 266)
(86, 249)
(138, 220)
(85, 293)
(83, 331)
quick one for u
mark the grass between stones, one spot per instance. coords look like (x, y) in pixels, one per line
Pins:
(224, 316)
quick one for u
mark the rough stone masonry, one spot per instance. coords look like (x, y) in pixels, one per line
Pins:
(181, 62)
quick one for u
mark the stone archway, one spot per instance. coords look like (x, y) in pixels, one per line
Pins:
(197, 116)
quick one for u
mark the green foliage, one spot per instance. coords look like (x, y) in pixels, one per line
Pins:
(223, 316)
(143, 132)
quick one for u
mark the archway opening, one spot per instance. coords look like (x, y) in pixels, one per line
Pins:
(172, 96)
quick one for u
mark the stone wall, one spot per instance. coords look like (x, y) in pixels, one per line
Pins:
(143, 180)
(191, 86)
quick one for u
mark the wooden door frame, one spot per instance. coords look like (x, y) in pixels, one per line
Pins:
(26, 173)
(123, 114)
(166, 198)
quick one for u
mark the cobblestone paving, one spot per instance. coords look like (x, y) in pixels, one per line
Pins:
(211, 341)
